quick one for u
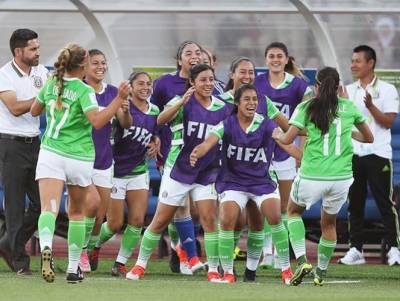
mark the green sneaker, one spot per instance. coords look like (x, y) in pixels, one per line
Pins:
(301, 271)
(319, 276)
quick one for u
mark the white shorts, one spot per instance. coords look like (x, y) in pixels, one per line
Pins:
(71, 171)
(306, 193)
(103, 177)
(285, 170)
(175, 193)
(241, 198)
(122, 185)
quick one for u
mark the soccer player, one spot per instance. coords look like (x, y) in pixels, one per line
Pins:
(194, 113)
(247, 150)
(326, 167)
(131, 175)
(286, 91)
(242, 71)
(166, 88)
(99, 192)
(67, 152)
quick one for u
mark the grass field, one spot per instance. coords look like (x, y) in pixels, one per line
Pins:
(369, 282)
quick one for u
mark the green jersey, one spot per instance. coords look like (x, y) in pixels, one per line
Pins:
(68, 131)
(329, 156)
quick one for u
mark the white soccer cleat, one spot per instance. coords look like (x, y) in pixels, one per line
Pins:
(393, 256)
(352, 257)
(185, 269)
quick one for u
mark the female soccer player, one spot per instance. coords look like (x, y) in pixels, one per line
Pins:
(247, 150)
(242, 71)
(131, 175)
(67, 152)
(99, 192)
(286, 91)
(195, 113)
(166, 88)
(326, 167)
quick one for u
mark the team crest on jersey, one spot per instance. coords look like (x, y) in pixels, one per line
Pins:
(37, 82)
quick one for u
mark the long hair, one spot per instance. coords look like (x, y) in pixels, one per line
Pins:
(182, 47)
(235, 63)
(195, 71)
(322, 109)
(70, 58)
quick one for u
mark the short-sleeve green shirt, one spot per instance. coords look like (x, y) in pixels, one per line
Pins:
(68, 131)
(329, 156)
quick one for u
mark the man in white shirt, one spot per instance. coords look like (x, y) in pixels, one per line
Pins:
(20, 81)
(372, 165)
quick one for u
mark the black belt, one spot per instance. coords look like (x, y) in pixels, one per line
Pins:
(19, 138)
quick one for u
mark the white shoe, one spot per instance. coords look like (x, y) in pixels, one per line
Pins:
(267, 261)
(352, 257)
(185, 269)
(393, 256)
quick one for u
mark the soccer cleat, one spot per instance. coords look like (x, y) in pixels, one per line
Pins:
(47, 265)
(286, 276)
(136, 273)
(228, 278)
(393, 256)
(195, 264)
(174, 262)
(352, 257)
(213, 277)
(238, 254)
(185, 269)
(319, 276)
(84, 262)
(118, 270)
(94, 259)
(301, 271)
(183, 261)
(74, 278)
(249, 275)
(267, 262)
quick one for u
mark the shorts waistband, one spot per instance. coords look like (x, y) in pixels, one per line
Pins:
(19, 138)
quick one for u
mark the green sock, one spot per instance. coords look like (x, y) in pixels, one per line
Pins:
(149, 243)
(281, 242)
(89, 224)
(129, 240)
(76, 237)
(105, 234)
(92, 242)
(46, 226)
(297, 235)
(211, 247)
(173, 234)
(284, 218)
(225, 249)
(236, 237)
(267, 248)
(255, 242)
(325, 251)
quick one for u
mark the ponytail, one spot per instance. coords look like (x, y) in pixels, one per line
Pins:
(70, 58)
(322, 109)
(294, 69)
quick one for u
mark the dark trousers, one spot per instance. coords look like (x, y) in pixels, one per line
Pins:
(18, 161)
(377, 173)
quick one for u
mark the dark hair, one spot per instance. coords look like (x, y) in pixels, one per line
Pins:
(208, 55)
(278, 45)
(134, 75)
(93, 52)
(20, 38)
(70, 58)
(180, 51)
(322, 109)
(195, 71)
(239, 92)
(369, 53)
(235, 63)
